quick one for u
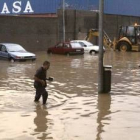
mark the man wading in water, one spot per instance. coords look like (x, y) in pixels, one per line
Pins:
(40, 82)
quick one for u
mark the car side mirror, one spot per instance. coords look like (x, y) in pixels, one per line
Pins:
(85, 45)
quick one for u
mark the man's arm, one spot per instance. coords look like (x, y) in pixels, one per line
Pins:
(50, 79)
(39, 80)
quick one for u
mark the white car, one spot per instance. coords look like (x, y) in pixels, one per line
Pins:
(88, 47)
(15, 52)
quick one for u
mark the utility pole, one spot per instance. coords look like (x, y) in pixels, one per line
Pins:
(63, 20)
(100, 63)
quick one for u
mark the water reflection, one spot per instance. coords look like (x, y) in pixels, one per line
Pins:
(103, 106)
(72, 102)
(41, 121)
(15, 76)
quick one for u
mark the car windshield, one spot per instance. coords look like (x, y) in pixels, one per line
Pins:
(87, 43)
(15, 48)
(75, 45)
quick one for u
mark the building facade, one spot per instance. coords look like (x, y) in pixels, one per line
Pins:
(117, 7)
(37, 31)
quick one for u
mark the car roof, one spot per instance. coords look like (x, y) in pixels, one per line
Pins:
(80, 41)
(9, 44)
(72, 41)
(84, 41)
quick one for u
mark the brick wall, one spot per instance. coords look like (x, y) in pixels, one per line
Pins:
(33, 33)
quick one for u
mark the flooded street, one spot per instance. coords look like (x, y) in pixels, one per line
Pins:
(74, 110)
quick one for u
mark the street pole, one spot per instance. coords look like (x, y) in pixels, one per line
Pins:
(63, 20)
(100, 63)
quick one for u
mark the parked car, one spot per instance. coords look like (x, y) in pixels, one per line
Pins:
(88, 47)
(15, 52)
(68, 48)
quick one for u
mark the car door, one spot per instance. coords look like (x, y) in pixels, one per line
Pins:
(3, 52)
(86, 48)
(67, 48)
(59, 49)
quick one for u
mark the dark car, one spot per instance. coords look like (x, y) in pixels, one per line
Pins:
(15, 52)
(68, 48)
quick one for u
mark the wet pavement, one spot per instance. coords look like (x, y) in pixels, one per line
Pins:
(75, 110)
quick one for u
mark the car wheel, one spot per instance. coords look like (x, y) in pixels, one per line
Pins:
(12, 60)
(33, 60)
(124, 47)
(68, 54)
(49, 52)
(92, 52)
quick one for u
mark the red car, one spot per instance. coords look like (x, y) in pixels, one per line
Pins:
(67, 48)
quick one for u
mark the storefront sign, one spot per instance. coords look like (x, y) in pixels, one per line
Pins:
(16, 8)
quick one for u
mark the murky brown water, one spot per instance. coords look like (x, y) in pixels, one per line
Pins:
(74, 111)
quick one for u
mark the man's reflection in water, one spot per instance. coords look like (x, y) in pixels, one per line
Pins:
(41, 121)
(104, 102)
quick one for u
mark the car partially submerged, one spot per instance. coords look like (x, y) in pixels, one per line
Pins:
(88, 46)
(15, 52)
(68, 48)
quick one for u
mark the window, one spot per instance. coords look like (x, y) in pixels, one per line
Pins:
(0, 47)
(138, 31)
(67, 45)
(86, 44)
(3, 48)
(75, 45)
(130, 31)
(15, 48)
(122, 31)
(60, 45)
(82, 44)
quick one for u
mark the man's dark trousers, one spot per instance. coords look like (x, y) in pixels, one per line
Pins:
(41, 91)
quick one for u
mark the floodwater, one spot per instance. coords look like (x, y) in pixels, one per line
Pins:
(75, 110)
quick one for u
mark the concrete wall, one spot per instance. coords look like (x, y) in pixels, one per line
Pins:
(33, 33)
(78, 23)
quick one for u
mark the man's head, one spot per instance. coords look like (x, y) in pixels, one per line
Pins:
(46, 65)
